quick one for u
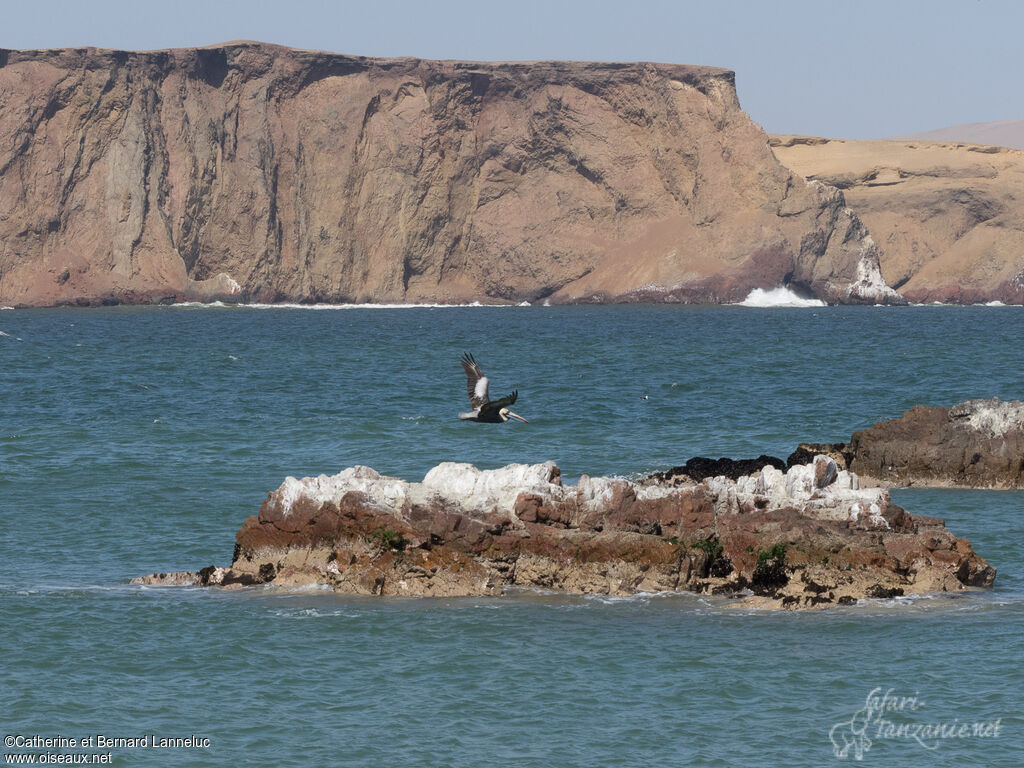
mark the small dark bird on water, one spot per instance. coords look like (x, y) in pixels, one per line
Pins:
(484, 409)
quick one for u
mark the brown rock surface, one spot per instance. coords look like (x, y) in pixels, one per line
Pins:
(253, 171)
(975, 444)
(947, 216)
(802, 538)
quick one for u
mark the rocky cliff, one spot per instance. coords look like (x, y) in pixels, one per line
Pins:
(947, 216)
(264, 173)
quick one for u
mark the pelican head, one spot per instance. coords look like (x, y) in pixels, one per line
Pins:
(506, 414)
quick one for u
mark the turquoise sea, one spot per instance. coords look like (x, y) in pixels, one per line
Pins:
(135, 440)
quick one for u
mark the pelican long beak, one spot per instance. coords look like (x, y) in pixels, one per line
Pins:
(516, 416)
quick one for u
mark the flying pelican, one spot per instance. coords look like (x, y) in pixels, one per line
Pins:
(484, 409)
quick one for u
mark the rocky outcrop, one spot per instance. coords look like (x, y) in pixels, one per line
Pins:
(248, 171)
(808, 536)
(700, 467)
(976, 444)
(946, 215)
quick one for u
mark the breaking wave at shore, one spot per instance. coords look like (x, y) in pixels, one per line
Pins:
(777, 297)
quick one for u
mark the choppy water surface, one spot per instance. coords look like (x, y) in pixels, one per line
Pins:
(134, 440)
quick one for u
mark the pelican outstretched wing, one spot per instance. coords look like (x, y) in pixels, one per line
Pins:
(476, 383)
(506, 401)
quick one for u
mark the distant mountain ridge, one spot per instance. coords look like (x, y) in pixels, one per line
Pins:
(1002, 133)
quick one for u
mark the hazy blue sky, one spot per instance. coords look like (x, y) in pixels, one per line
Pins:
(855, 69)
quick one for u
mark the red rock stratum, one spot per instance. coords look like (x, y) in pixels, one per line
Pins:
(267, 173)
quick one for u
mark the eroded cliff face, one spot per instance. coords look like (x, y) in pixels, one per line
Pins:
(266, 173)
(947, 215)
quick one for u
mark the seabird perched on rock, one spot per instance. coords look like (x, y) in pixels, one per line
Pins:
(484, 409)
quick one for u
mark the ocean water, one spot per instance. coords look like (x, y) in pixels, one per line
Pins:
(135, 440)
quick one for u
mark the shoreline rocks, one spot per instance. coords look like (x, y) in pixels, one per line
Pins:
(800, 538)
(975, 444)
(698, 468)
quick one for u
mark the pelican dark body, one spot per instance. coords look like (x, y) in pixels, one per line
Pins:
(484, 409)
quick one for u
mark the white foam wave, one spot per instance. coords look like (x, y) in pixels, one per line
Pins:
(778, 297)
(636, 597)
(996, 303)
(296, 589)
(5, 334)
(313, 613)
(3, 308)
